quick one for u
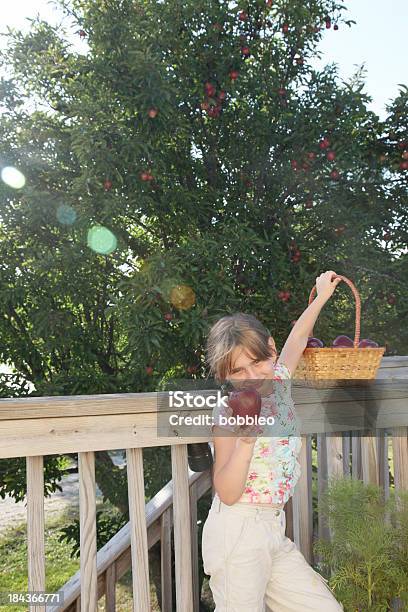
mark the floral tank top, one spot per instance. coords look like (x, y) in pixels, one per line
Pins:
(274, 468)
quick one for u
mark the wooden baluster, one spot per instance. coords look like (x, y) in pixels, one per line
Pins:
(369, 459)
(35, 526)
(138, 530)
(87, 522)
(322, 525)
(382, 452)
(346, 453)
(110, 588)
(356, 468)
(194, 546)
(182, 536)
(400, 456)
(166, 565)
(302, 502)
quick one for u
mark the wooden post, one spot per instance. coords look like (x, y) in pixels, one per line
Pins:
(182, 536)
(87, 521)
(302, 502)
(35, 526)
(166, 561)
(138, 531)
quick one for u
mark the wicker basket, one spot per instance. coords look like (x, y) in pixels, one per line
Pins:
(332, 366)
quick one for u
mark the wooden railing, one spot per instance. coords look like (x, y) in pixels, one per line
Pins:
(34, 427)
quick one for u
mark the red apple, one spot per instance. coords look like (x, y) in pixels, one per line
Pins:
(243, 15)
(331, 156)
(402, 144)
(107, 185)
(269, 3)
(311, 155)
(391, 299)
(285, 28)
(149, 370)
(323, 144)
(328, 23)
(404, 155)
(145, 176)
(343, 342)
(367, 343)
(82, 33)
(245, 403)
(205, 106)
(152, 112)
(294, 164)
(234, 74)
(334, 174)
(339, 230)
(313, 342)
(284, 295)
(335, 27)
(168, 316)
(209, 89)
(222, 95)
(404, 165)
(245, 51)
(282, 91)
(309, 203)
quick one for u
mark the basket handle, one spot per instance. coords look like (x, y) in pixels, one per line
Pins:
(358, 305)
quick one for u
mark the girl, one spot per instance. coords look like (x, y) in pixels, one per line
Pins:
(250, 561)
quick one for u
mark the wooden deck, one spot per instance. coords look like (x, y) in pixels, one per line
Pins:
(34, 427)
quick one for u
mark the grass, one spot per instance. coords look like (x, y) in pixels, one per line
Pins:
(59, 566)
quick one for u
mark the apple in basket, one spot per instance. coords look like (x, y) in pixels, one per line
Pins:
(314, 342)
(367, 343)
(245, 403)
(343, 342)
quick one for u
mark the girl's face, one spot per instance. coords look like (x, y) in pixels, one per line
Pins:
(249, 372)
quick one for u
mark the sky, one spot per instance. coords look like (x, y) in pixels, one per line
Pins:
(376, 40)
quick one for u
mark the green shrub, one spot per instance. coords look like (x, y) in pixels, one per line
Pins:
(367, 555)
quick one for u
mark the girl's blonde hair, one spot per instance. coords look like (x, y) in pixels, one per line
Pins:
(239, 329)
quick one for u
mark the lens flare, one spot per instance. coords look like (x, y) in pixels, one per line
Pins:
(13, 177)
(66, 214)
(101, 240)
(182, 297)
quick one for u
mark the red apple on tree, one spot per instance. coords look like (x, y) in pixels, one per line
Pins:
(334, 175)
(331, 156)
(152, 112)
(282, 91)
(311, 155)
(391, 299)
(209, 89)
(243, 15)
(324, 143)
(168, 316)
(234, 74)
(404, 165)
(335, 27)
(82, 33)
(107, 185)
(149, 370)
(245, 51)
(285, 28)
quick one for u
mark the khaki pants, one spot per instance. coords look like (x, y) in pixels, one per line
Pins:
(254, 567)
